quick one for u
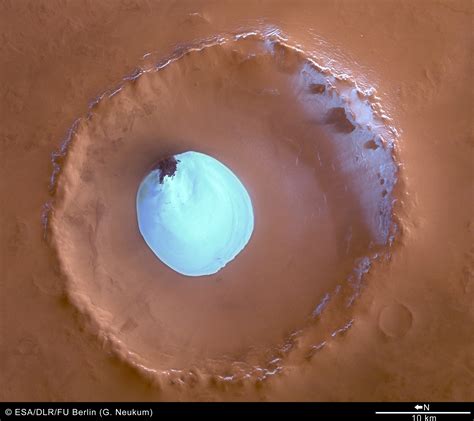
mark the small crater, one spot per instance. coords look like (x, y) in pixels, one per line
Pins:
(395, 320)
(27, 346)
(338, 118)
(371, 144)
(317, 88)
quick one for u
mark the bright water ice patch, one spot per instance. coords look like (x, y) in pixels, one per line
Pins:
(194, 213)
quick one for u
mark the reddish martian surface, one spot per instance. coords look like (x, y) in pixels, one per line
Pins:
(349, 123)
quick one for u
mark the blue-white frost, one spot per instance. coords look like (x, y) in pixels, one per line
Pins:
(198, 219)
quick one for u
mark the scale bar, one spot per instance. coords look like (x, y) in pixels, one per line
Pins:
(432, 413)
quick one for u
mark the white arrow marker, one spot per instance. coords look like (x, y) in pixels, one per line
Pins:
(418, 407)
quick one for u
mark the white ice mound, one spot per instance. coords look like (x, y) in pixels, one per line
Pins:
(194, 213)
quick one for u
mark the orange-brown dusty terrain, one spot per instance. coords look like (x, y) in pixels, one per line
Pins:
(348, 122)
